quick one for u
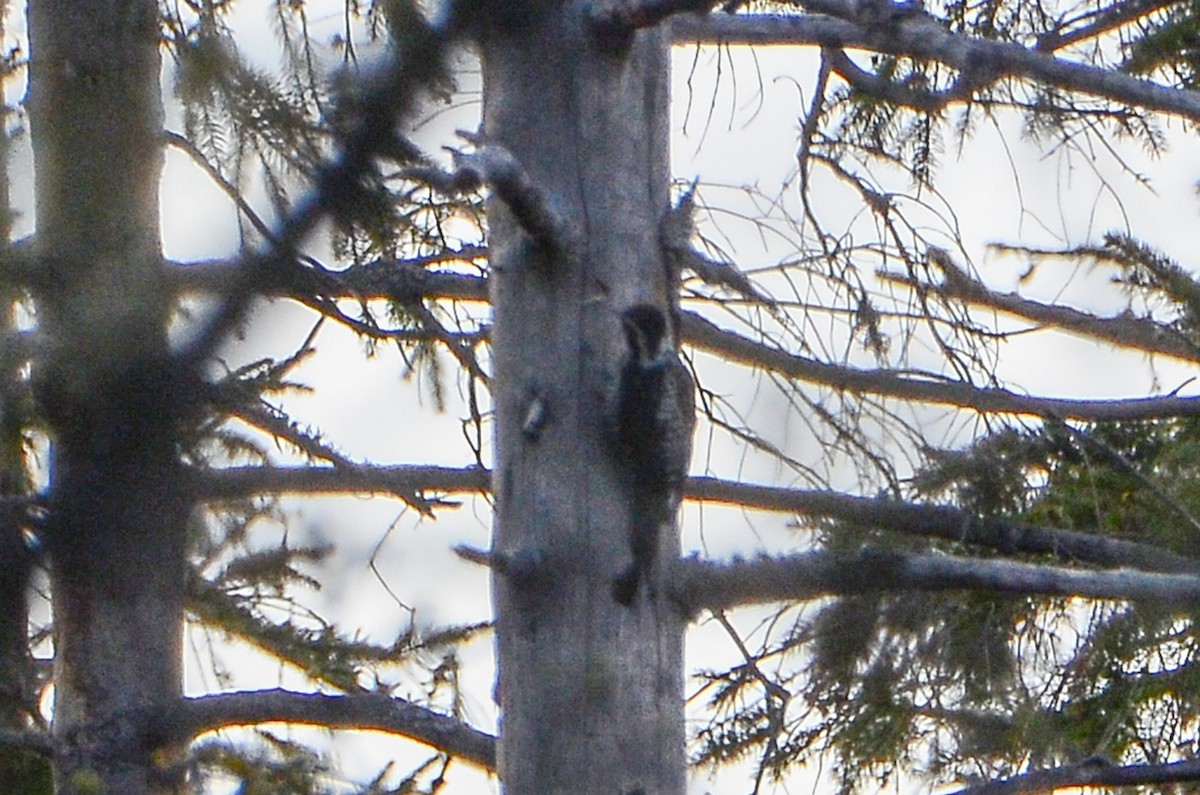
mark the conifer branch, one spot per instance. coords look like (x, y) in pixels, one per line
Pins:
(703, 334)
(927, 521)
(926, 387)
(313, 446)
(337, 184)
(1096, 22)
(230, 190)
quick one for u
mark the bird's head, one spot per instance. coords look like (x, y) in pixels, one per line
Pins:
(645, 328)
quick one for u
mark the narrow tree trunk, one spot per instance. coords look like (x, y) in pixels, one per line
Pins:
(20, 771)
(117, 505)
(590, 691)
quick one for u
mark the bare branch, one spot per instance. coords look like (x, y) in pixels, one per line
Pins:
(480, 557)
(1125, 330)
(615, 21)
(280, 427)
(411, 275)
(363, 711)
(767, 29)
(407, 282)
(897, 93)
(943, 521)
(926, 387)
(719, 586)
(1098, 22)
(1092, 772)
(929, 521)
(720, 275)
(922, 36)
(400, 480)
(230, 190)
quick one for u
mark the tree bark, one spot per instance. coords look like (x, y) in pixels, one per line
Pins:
(590, 691)
(106, 387)
(21, 770)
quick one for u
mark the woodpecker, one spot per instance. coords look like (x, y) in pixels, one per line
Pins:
(656, 416)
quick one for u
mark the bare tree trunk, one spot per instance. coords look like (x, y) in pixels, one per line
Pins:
(590, 690)
(117, 501)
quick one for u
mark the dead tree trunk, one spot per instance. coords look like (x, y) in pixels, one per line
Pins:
(590, 690)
